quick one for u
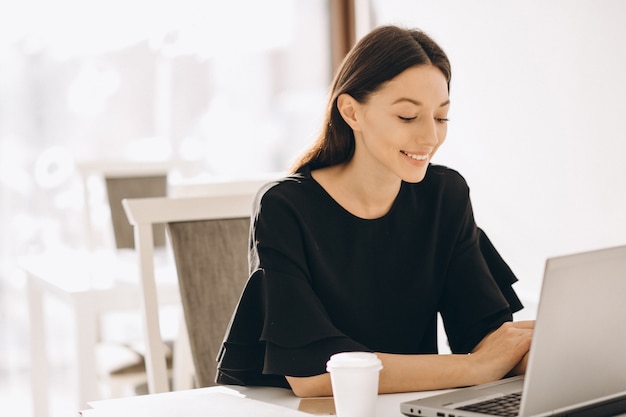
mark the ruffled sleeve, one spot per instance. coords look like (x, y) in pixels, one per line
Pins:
(479, 296)
(279, 328)
(500, 270)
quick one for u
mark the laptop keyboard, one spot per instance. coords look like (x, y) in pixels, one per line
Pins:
(505, 406)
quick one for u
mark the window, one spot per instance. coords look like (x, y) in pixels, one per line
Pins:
(230, 88)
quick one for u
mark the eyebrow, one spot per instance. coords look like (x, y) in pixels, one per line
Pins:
(418, 103)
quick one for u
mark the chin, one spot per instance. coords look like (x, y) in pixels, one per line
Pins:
(415, 177)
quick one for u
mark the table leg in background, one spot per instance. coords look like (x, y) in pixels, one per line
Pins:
(38, 354)
(86, 339)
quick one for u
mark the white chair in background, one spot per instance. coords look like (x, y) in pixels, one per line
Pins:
(120, 364)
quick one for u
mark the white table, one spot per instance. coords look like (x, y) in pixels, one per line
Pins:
(90, 283)
(213, 185)
(387, 405)
(210, 402)
(202, 402)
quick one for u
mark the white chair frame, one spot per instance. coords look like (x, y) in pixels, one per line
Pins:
(142, 214)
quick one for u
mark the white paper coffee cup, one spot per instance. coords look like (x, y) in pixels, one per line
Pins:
(354, 378)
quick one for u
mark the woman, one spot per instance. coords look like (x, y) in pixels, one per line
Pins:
(366, 242)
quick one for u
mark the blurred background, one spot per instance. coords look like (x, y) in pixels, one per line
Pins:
(238, 88)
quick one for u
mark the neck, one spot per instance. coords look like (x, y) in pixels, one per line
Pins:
(362, 193)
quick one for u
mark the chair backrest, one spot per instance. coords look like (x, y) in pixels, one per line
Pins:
(123, 179)
(209, 236)
(119, 188)
(212, 265)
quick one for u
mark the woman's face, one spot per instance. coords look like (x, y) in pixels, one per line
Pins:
(400, 127)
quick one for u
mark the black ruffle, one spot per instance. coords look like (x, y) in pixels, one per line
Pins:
(278, 309)
(279, 328)
(501, 272)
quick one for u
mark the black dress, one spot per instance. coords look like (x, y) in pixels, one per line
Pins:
(325, 281)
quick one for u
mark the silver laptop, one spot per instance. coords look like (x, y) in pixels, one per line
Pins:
(577, 362)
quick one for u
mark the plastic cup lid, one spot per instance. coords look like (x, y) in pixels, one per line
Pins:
(354, 360)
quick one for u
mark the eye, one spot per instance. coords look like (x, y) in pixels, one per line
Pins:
(442, 120)
(406, 119)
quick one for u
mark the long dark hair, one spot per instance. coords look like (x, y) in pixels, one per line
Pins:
(377, 58)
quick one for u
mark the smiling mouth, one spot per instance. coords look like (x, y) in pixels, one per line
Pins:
(416, 157)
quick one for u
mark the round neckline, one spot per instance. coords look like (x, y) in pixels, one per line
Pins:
(307, 174)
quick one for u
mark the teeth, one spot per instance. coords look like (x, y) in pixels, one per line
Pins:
(416, 157)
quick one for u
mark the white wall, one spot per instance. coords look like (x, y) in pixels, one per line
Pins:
(538, 119)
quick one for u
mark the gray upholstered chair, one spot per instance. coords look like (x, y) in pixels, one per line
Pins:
(209, 237)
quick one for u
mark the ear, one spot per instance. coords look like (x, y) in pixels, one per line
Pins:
(348, 107)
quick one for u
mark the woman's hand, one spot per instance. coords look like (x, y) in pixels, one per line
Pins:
(503, 352)
(520, 368)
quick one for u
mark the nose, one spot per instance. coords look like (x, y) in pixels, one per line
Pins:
(429, 132)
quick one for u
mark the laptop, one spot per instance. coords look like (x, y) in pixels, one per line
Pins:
(577, 361)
